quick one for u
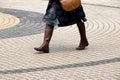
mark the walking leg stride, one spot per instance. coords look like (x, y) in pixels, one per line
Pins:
(83, 42)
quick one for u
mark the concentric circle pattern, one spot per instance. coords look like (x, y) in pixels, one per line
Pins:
(30, 23)
(7, 21)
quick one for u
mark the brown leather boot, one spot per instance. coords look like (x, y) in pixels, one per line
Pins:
(83, 42)
(47, 37)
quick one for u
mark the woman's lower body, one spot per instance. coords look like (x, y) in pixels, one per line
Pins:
(51, 20)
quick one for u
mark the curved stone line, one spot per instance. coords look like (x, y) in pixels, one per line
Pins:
(8, 21)
(102, 5)
(30, 24)
(85, 64)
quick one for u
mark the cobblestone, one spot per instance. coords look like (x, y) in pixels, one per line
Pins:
(100, 60)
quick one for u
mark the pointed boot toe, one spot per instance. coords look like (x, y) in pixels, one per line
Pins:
(45, 50)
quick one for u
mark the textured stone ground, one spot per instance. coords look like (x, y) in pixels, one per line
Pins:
(21, 29)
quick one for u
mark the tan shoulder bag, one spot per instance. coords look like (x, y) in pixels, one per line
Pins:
(70, 5)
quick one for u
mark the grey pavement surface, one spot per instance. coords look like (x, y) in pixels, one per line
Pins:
(21, 29)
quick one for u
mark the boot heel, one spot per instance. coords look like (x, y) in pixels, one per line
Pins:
(86, 44)
(46, 50)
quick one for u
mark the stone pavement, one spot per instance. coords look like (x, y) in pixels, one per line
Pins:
(21, 29)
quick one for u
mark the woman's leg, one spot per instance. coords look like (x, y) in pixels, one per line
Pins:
(47, 37)
(83, 42)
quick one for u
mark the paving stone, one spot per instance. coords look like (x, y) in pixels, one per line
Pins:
(99, 61)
